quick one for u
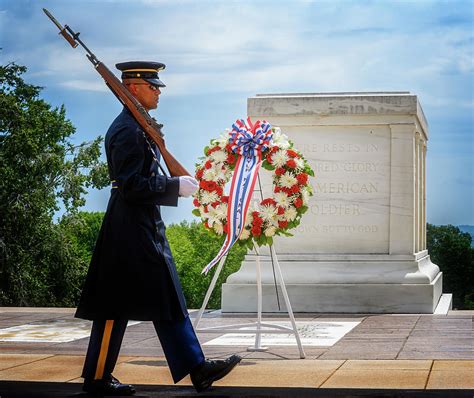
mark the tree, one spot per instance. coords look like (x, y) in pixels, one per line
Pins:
(39, 168)
(451, 250)
(82, 229)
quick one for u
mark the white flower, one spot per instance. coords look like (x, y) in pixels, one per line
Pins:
(219, 228)
(280, 139)
(213, 217)
(218, 156)
(305, 194)
(223, 139)
(227, 174)
(210, 174)
(220, 173)
(248, 218)
(208, 197)
(245, 234)
(270, 231)
(287, 180)
(299, 163)
(269, 213)
(290, 214)
(282, 199)
(221, 211)
(279, 158)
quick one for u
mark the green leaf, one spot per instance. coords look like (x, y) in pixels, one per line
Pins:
(196, 212)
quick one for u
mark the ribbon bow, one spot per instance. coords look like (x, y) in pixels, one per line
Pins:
(249, 139)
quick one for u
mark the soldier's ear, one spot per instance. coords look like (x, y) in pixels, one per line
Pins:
(132, 88)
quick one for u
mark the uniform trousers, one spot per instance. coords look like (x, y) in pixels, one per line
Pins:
(178, 340)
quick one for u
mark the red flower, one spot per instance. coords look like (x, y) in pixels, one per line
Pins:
(295, 188)
(226, 228)
(199, 173)
(286, 190)
(196, 202)
(298, 202)
(214, 149)
(269, 158)
(280, 171)
(302, 178)
(206, 225)
(203, 184)
(268, 201)
(255, 213)
(219, 190)
(282, 224)
(208, 164)
(215, 204)
(292, 154)
(256, 230)
(211, 186)
(257, 222)
(225, 199)
(277, 189)
(228, 148)
(291, 163)
(281, 210)
(230, 158)
(274, 149)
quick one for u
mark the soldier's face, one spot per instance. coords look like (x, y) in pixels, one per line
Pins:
(147, 94)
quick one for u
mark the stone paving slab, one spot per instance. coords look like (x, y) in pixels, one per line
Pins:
(14, 360)
(54, 368)
(378, 378)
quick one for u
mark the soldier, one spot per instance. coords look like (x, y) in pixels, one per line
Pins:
(132, 274)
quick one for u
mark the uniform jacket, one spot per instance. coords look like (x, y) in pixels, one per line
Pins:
(132, 274)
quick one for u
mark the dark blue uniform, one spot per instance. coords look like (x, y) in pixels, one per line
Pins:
(132, 274)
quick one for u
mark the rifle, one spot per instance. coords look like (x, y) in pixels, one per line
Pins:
(147, 123)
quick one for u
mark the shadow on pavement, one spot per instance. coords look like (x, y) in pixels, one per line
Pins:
(17, 389)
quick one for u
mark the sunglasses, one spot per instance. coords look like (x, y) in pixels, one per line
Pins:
(151, 86)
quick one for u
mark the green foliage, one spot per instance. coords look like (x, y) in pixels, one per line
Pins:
(82, 229)
(193, 248)
(451, 250)
(39, 165)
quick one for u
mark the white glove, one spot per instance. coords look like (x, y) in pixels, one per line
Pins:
(187, 186)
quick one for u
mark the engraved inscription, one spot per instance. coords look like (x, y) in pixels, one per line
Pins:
(350, 167)
(349, 212)
(344, 147)
(336, 209)
(345, 187)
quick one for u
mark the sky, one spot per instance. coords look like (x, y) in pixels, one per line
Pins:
(219, 53)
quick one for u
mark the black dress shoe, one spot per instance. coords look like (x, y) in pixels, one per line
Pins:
(210, 371)
(110, 387)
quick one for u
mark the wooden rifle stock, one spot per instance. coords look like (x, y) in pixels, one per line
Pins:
(146, 122)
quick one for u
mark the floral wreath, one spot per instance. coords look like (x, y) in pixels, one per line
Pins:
(272, 216)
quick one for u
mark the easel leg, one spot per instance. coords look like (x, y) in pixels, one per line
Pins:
(258, 334)
(209, 292)
(287, 302)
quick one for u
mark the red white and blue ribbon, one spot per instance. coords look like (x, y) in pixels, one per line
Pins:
(248, 141)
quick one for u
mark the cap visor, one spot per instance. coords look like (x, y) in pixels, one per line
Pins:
(155, 82)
